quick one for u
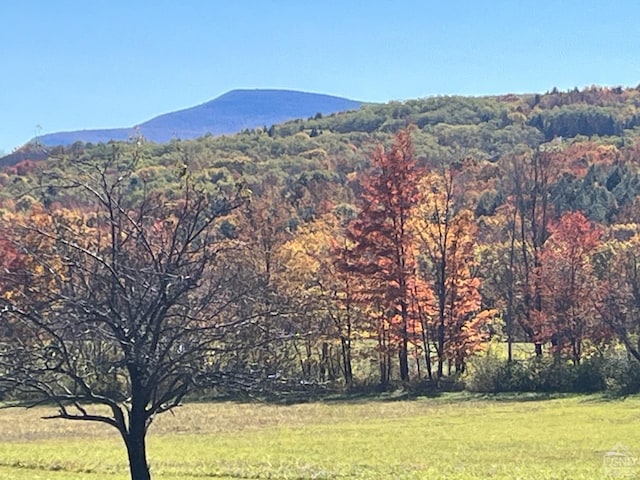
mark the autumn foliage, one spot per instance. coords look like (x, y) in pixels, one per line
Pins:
(570, 285)
(341, 252)
(413, 249)
(382, 254)
(367, 251)
(446, 234)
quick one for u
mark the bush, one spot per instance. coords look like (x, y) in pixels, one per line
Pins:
(588, 377)
(490, 374)
(621, 373)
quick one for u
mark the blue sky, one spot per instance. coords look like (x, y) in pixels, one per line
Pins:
(67, 65)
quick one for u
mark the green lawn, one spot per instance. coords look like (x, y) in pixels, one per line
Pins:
(452, 437)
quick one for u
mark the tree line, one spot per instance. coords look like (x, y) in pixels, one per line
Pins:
(398, 269)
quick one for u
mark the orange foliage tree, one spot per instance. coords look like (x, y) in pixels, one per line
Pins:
(382, 253)
(570, 284)
(446, 244)
(325, 310)
(618, 299)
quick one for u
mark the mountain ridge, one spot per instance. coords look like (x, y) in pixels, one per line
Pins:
(228, 113)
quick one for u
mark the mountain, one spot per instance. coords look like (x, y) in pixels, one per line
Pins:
(230, 113)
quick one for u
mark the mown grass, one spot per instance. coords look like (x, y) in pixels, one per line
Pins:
(451, 437)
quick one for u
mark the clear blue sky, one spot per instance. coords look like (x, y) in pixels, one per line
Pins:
(67, 65)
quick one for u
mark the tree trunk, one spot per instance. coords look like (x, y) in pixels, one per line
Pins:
(137, 450)
(576, 350)
(346, 361)
(308, 361)
(538, 349)
(427, 359)
(510, 288)
(384, 369)
(403, 358)
(426, 347)
(382, 358)
(403, 352)
(324, 361)
(300, 360)
(134, 439)
(440, 349)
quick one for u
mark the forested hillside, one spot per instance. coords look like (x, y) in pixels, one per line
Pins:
(400, 241)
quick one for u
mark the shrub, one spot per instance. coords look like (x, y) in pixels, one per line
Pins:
(589, 376)
(490, 374)
(621, 373)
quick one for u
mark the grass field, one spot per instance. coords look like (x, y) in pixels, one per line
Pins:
(451, 437)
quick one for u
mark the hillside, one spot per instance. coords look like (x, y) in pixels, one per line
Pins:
(538, 193)
(230, 113)
(595, 128)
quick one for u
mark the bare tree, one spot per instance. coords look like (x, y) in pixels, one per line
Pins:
(119, 309)
(531, 178)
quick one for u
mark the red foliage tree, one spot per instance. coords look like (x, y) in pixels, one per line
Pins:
(382, 254)
(570, 283)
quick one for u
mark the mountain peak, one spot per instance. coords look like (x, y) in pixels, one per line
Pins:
(229, 113)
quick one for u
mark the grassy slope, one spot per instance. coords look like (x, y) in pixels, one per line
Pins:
(445, 438)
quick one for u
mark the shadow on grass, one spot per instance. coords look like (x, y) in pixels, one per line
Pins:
(609, 397)
(392, 393)
(450, 392)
